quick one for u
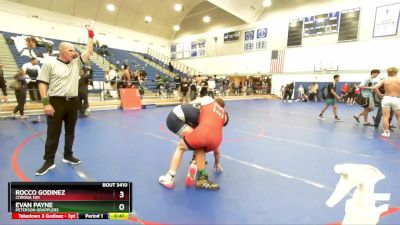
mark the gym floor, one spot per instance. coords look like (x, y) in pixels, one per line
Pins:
(278, 161)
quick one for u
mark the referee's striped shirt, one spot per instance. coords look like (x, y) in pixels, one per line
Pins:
(62, 78)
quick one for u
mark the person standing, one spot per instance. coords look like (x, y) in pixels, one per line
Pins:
(391, 98)
(300, 92)
(367, 92)
(170, 67)
(377, 118)
(183, 91)
(3, 85)
(193, 90)
(20, 94)
(330, 98)
(32, 69)
(345, 92)
(83, 94)
(127, 76)
(211, 86)
(58, 86)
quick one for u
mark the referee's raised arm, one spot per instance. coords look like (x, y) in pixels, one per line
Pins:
(89, 46)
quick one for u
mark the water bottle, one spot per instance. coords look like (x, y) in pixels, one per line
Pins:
(39, 119)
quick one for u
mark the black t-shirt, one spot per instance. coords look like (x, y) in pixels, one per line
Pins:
(225, 82)
(331, 86)
(193, 87)
(32, 73)
(184, 87)
(83, 84)
(177, 80)
(3, 85)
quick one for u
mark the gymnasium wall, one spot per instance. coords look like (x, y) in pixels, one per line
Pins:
(28, 20)
(317, 51)
(277, 24)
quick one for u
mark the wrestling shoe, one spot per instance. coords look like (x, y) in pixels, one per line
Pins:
(167, 181)
(190, 180)
(202, 182)
(386, 134)
(337, 119)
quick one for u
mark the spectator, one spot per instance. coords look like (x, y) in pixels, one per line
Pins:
(390, 100)
(377, 118)
(20, 94)
(32, 69)
(330, 98)
(170, 67)
(286, 93)
(3, 85)
(225, 86)
(291, 89)
(159, 85)
(367, 92)
(345, 92)
(211, 87)
(283, 87)
(97, 44)
(193, 90)
(183, 91)
(351, 94)
(126, 76)
(313, 90)
(300, 91)
(83, 94)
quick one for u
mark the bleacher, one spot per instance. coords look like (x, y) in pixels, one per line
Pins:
(20, 60)
(164, 65)
(39, 52)
(119, 57)
(116, 57)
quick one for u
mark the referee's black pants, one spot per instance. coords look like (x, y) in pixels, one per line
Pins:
(66, 109)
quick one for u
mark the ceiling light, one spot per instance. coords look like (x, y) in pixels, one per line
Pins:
(148, 19)
(178, 7)
(267, 3)
(206, 19)
(176, 27)
(111, 7)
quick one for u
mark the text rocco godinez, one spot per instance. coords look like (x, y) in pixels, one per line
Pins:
(35, 194)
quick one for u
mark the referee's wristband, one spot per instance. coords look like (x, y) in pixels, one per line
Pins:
(45, 101)
(90, 34)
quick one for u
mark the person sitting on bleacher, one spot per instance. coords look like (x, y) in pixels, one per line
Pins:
(28, 49)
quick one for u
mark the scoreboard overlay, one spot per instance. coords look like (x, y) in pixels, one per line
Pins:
(70, 200)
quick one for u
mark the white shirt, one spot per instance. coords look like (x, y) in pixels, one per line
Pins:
(211, 85)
